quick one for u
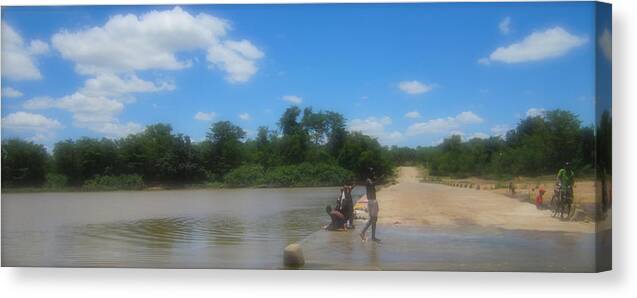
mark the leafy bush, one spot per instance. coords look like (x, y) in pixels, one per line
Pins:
(122, 182)
(246, 175)
(56, 181)
(307, 174)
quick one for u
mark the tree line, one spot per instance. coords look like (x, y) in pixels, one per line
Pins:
(307, 148)
(538, 145)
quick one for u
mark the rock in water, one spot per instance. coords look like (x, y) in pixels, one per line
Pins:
(293, 256)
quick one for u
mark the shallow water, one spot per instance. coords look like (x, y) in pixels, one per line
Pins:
(246, 228)
(468, 248)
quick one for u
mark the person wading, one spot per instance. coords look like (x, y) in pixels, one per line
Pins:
(372, 207)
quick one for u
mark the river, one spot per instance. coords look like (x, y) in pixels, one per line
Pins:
(242, 228)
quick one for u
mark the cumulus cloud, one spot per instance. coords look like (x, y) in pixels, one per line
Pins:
(412, 115)
(376, 127)
(414, 87)
(442, 125)
(539, 45)
(605, 42)
(18, 58)
(113, 53)
(85, 109)
(237, 58)
(96, 105)
(152, 40)
(116, 129)
(535, 112)
(293, 99)
(121, 89)
(204, 116)
(23, 121)
(500, 130)
(505, 25)
(245, 116)
(10, 92)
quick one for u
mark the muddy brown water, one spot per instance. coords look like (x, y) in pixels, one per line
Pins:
(248, 228)
(244, 228)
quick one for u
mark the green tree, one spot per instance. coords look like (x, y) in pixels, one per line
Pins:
(360, 153)
(295, 141)
(226, 152)
(23, 163)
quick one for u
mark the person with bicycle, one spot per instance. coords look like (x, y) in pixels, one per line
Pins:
(566, 180)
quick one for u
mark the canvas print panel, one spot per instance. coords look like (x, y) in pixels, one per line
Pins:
(424, 136)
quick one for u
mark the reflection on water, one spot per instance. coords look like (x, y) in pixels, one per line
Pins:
(193, 229)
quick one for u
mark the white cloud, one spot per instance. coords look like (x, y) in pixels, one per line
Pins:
(116, 129)
(375, 127)
(293, 99)
(245, 116)
(10, 92)
(500, 130)
(97, 104)
(484, 61)
(18, 59)
(85, 109)
(40, 137)
(441, 125)
(534, 112)
(412, 115)
(111, 55)
(551, 43)
(505, 25)
(605, 42)
(414, 87)
(127, 43)
(204, 116)
(237, 58)
(120, 89)
(24, 121)
(38, 47)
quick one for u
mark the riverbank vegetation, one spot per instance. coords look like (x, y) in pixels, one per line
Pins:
(538, 145)
(307, 148)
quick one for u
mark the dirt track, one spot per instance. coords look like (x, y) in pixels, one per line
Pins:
(414, 203)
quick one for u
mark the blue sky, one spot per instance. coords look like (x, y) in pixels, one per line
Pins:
(408, 74)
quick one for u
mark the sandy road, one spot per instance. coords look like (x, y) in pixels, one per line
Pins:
(414, 203)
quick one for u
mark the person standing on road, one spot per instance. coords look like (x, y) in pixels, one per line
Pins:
(372, 207)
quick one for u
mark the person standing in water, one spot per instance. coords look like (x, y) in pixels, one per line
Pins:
(372, 207)
(348, 206)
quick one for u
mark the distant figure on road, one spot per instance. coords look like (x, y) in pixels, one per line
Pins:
(566, 180)
(539, 199)
(337, 219)
(372, 207)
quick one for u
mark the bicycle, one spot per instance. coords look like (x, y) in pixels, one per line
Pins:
(562, 202)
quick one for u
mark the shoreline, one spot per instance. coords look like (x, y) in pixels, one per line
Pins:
(152, 189)
(415, 203)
